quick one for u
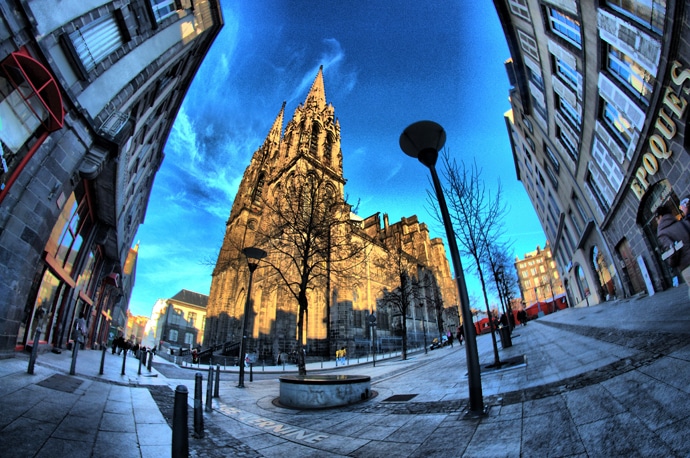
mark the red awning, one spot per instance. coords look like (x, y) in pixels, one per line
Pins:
(42, 83)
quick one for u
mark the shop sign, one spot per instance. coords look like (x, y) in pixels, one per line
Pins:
(674, 105)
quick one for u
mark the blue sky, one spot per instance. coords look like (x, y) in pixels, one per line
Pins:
(386, 65)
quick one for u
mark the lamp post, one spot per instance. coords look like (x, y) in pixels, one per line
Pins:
(254, 255)
(423, 140)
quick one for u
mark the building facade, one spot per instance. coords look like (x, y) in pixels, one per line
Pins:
(181, 321)
(89, 90)
(597, 125)
(538, 276)
(341, 307)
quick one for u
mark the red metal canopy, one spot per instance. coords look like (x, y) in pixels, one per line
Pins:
(42, 84)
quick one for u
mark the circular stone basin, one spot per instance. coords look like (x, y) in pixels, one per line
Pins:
(320, 391)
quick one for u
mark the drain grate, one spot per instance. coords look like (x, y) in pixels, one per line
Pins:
(399, 398)
(61, 383)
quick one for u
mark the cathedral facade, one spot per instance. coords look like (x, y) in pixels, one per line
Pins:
(346, 268)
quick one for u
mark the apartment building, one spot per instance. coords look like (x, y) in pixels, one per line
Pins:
(89, 90)
(597, 125)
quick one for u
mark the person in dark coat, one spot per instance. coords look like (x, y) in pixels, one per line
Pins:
(522, 317)
(670, 232)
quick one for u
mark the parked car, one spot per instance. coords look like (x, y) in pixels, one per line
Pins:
(436, 343)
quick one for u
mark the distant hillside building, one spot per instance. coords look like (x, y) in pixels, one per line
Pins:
(539, 279)
(310, 146)
(598, 127)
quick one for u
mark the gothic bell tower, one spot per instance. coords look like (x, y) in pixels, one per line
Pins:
(310, 142)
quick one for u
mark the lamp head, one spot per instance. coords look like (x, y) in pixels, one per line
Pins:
(423, 140)
(253, 256)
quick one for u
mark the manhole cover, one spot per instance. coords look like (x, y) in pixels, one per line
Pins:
(399, 398)
(61, 383)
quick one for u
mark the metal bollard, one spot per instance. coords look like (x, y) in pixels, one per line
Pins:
(140, 361)
(34, 351)
(103, 350)
(180, 432)
(198, 413)
(124, 360)
(251, 372)
(148, 363)
(209, 390)
(217, 382)
(75, 352)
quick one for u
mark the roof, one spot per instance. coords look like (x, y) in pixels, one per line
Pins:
(190, 297)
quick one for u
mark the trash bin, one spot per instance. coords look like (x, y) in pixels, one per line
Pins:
(506, 341)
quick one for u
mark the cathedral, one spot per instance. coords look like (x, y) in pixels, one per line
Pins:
(330, 278)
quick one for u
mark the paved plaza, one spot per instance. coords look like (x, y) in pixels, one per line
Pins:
(602, 381)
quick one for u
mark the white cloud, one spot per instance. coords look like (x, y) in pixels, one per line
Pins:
(394, 171)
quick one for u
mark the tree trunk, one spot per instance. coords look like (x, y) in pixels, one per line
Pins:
(301, 363)
(404, 338)
(497, 359)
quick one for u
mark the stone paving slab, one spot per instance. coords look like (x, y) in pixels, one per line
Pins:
(608, 380)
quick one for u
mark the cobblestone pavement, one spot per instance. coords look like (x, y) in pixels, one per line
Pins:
(608, 380)
(591, 385)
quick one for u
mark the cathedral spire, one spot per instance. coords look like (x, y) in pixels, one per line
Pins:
(317, 93)
(274, 134)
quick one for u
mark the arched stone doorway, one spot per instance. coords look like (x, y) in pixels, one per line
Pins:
(632, 277)
(657, 194)
(582, 283)
(607, 289)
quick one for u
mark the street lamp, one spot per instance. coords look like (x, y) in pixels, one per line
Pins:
(423, 140)
(253, 256)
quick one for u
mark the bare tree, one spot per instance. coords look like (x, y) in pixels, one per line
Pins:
(476, 217)
(306, 242)
(401, 299)
(499, 264)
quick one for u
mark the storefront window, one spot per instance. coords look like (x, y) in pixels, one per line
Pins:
(44, 308)
(602, 270)
(43, 312)
(68, 234)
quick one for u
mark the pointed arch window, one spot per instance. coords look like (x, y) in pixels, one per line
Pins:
(259, 188)
(288, 141)
(328, 150)
(314, 141)
(302, 135)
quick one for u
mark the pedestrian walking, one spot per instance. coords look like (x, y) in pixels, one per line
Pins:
(674, 239)
(80, 329)
(522, 317)
(684, 204)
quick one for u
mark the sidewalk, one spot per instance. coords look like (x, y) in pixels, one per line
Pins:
(51, 413)
(607, 380)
